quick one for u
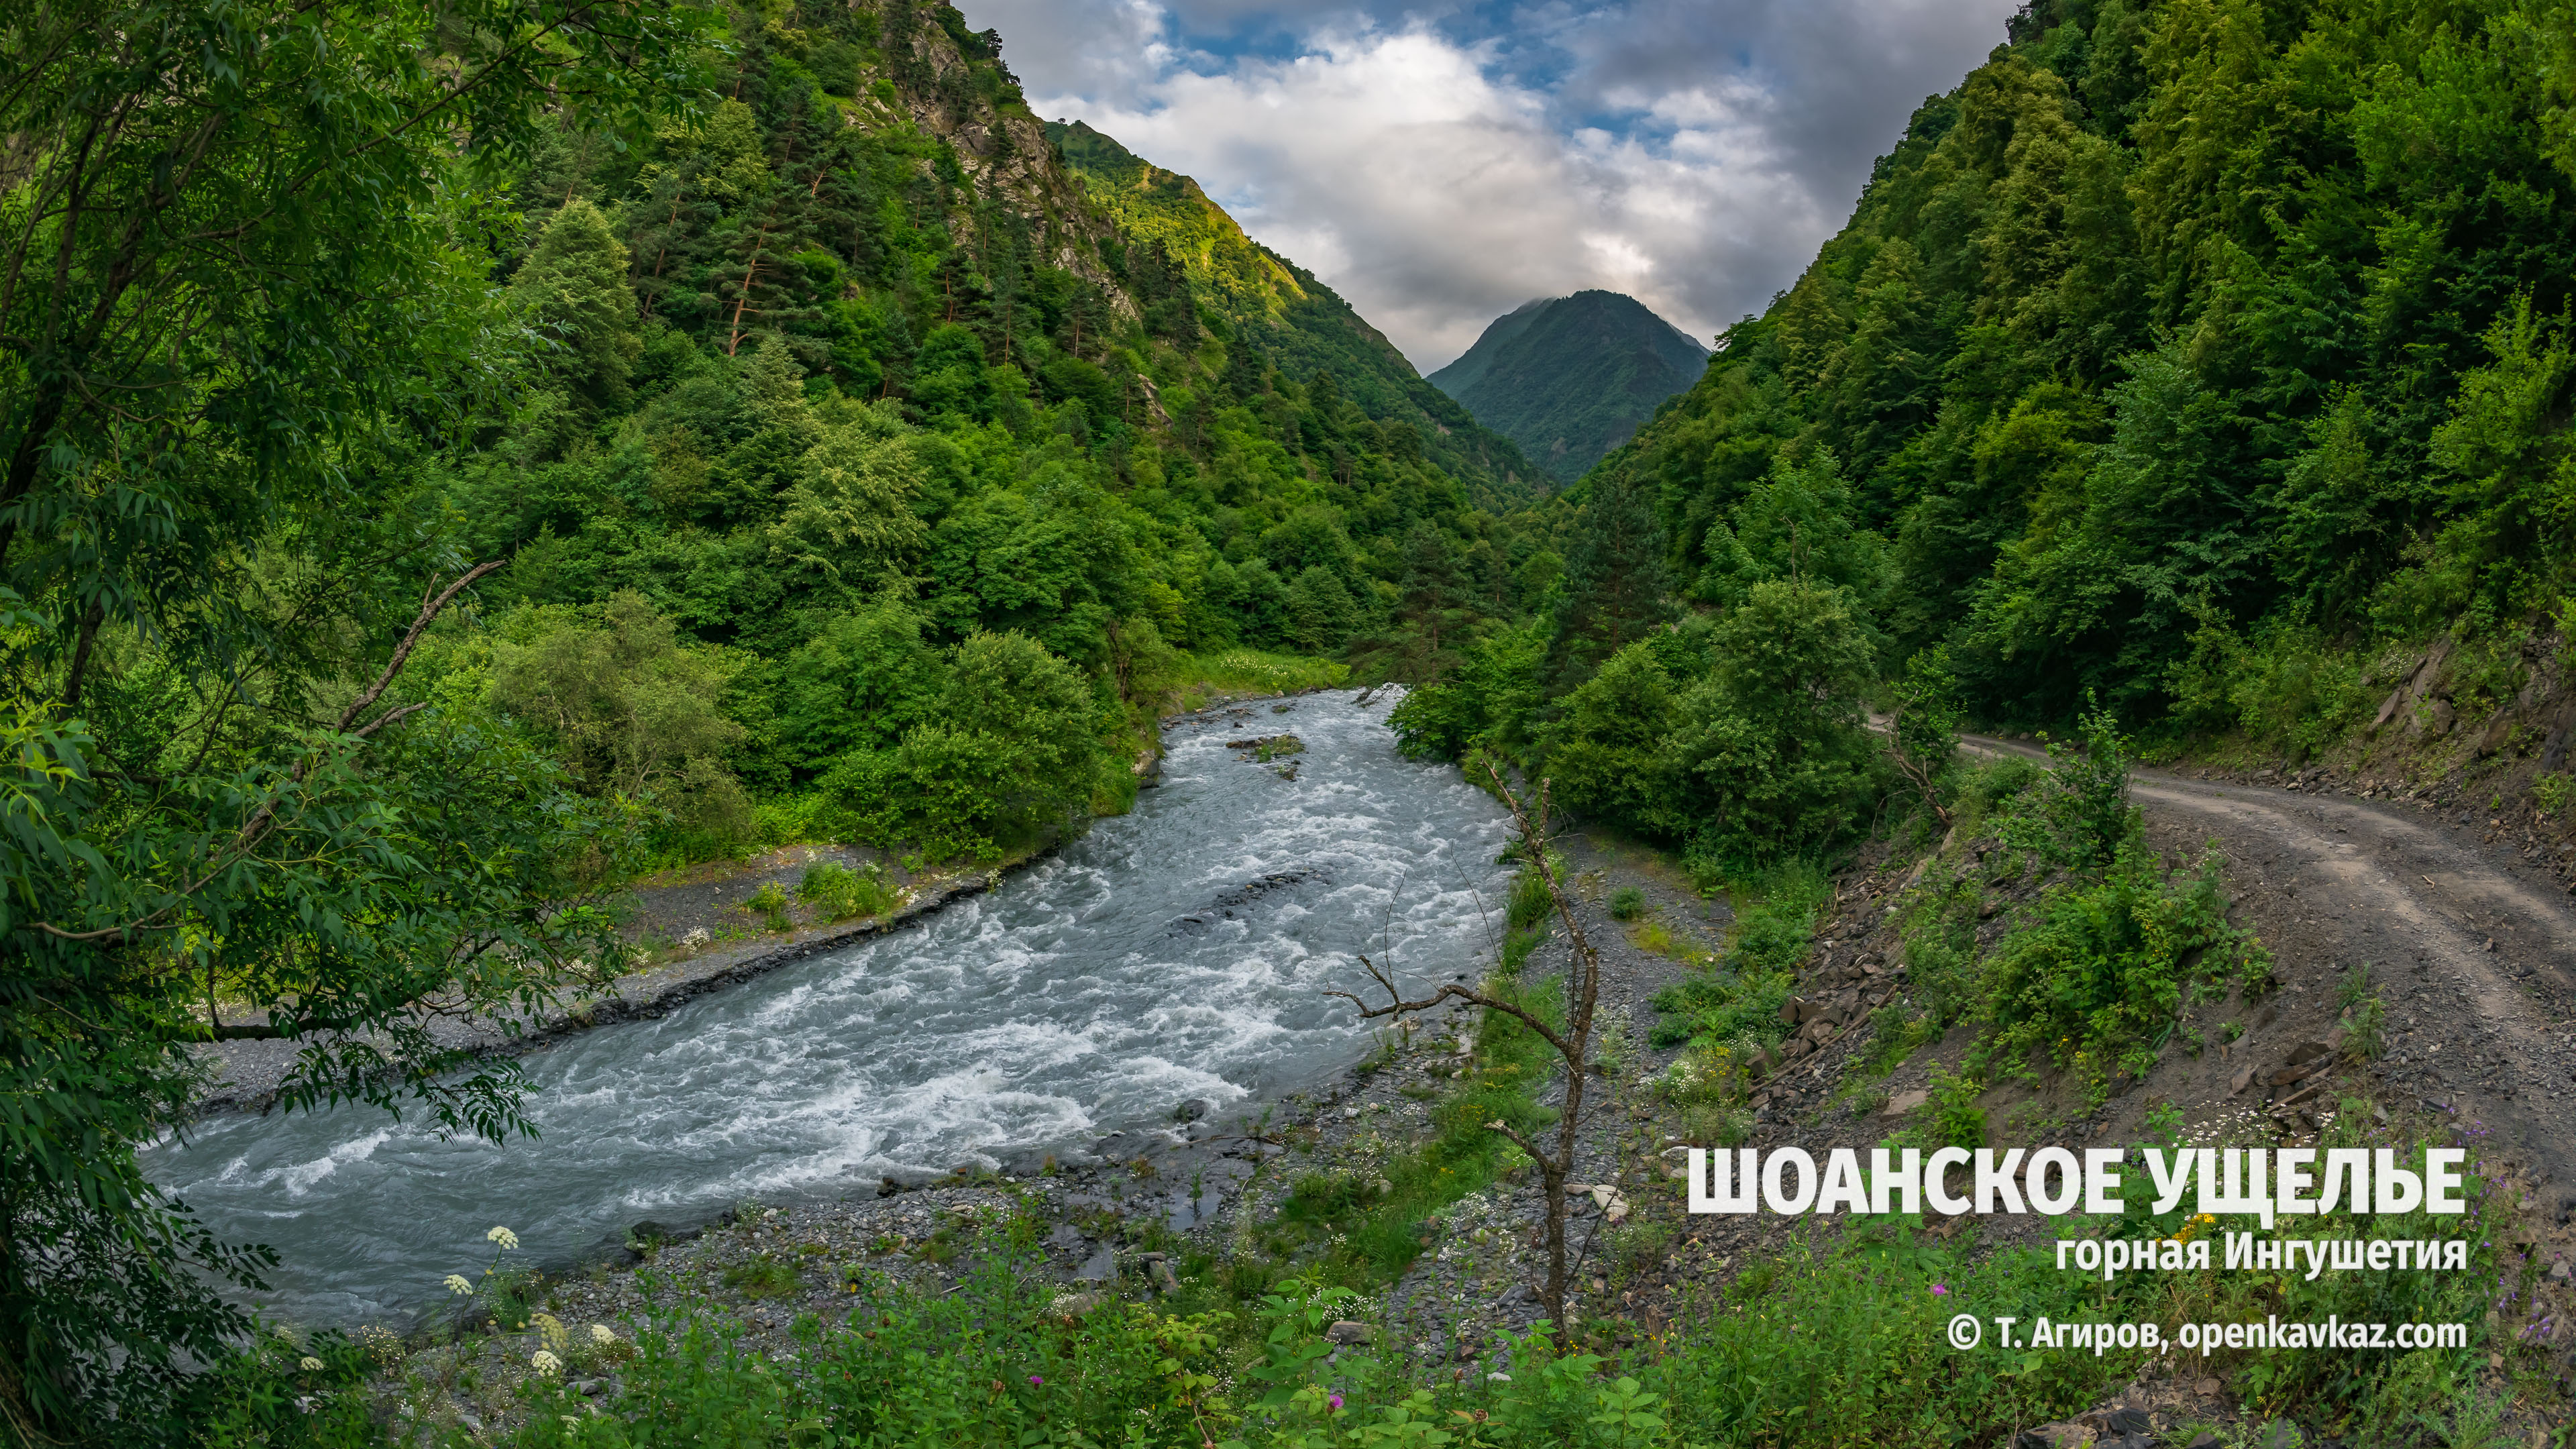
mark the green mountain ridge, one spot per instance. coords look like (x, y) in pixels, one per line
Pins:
(1570, 378)
(761, 434)
(1296, 322)
(2194, 356)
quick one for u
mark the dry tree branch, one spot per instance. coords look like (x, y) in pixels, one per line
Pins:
(257, 826)
(1571, 1043)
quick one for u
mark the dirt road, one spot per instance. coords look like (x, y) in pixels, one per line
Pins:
(2475, 953)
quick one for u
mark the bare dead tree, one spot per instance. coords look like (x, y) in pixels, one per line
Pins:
(1573, 1043)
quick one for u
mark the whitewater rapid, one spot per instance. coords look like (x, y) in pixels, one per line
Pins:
(1095, 990)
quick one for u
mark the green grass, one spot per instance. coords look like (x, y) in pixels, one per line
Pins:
(842, 894)
(1349, 1234)
(1244, 671)
(1740, 996)
(762, 1277)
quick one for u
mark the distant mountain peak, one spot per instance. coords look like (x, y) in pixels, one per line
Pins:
(1570, 378)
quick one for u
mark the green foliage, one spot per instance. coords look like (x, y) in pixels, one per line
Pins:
(632, 710)
(771, 905)
(2365, 1015)
(1570, 378)
(1756, 751)
(1627, 903)
(243, 318)
(839, 893)
(2080, 816)
(2097, 977)
(1010, 751)
(2553, 791)
(573, 291)
(1772, 742)
(1605, 753)
(2159, 354)
(1490, 698)
(1828, 1347)
(1955, 1119)
(1615, 580)
(1278, 747)
(762, 1277)
(1736, 1001)
(1529, 905)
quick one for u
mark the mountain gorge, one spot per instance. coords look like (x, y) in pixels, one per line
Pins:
(1570, 378)
(472, 469)
(902, 352)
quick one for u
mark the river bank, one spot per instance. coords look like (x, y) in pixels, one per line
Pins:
(1185, 1219)
(694, 931)
(1168, 1213)
(1177, 954)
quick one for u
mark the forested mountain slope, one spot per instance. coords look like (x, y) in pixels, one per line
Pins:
(1285, 315)
(851, 365)
(2184, 353)
(2205, 359)
(756, 434)
(1570, 378)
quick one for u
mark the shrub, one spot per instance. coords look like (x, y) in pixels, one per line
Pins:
(1957, 1120)
(2100, 971)
(1014, 748)
(1773, 742)
(632, 710)
(1627, 903)
(2081, 815)
(770, 904)
(840, 893)
(2553, 792)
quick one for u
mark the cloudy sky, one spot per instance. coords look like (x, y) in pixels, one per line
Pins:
(1441, 162)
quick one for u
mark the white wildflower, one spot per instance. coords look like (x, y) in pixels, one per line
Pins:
(545, 1363)
(456, 1283)
(311, 1365)
(600, 1334)
(507, 1239)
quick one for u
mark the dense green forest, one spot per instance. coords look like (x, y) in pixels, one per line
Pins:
(456, 460)
(2204, 359)
(851, 370)
(1570, 378)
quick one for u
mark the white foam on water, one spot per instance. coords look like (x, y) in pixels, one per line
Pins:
(1030, 1018)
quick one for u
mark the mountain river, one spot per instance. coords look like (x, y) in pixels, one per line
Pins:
(1149, 962)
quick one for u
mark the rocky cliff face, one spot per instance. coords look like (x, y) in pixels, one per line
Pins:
(973, 102)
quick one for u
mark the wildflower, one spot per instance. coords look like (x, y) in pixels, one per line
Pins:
(311, 1365)
(1940, 1290)
(544, 1362)
(600, 1334)
(1036, 1382)
(507, 1239)
(1336, 1401)
(456, 1284)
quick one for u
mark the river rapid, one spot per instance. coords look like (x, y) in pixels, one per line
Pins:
(1150, 962)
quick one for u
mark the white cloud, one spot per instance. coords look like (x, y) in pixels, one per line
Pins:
(1440, 169)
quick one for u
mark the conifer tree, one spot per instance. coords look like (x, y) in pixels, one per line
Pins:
(573, 291)
(1615, 582)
